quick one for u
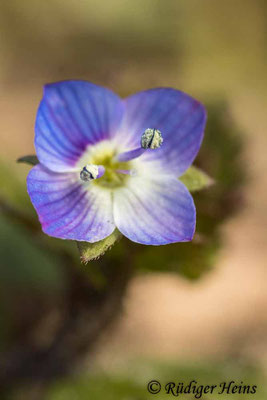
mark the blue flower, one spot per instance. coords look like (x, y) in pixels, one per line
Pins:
(107, 163)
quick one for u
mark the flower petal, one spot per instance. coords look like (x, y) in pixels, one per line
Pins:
(71, 116)
(155, 211)
(180, 118)
(69, 209)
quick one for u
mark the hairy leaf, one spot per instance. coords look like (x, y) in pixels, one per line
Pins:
(195, 179)
(91, 251)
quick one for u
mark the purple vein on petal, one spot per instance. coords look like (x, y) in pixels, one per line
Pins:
(57, 125)
(152, 216)
(82, 216)
(149, 215)
(77, 188)
(170, 111)
(138, 222)
(183, 150)
(134, 128)
(76, 137)
(78, 114)
(66, 179)
(62, 145)
(82, 111)
(180, 125)
(139, 105)
(97, 117)
(154, 231)
(79, 129)
(106, 115)
(91, 221)
(190, 135)
(56, 150)
(54, 155)
(181, 206)
(152, 109)
(71, 207)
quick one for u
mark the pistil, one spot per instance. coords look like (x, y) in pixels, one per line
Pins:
(131, 172)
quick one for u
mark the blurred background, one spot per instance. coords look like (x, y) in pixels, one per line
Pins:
(176, 312)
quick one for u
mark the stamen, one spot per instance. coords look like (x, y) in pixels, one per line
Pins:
(150, 139)
(130, 155)
(91, 171)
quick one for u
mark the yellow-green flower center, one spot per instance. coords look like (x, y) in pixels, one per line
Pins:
(105, 154)
(111, 178)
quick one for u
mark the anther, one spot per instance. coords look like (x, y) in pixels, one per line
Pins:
(151, 139)
(91, 171)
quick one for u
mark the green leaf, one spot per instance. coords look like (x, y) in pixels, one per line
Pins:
(25, 262)
(31, 160)
(12, 188)
(195, 179)
(91, 251)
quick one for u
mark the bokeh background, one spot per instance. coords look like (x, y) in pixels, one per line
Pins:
(177, 312)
